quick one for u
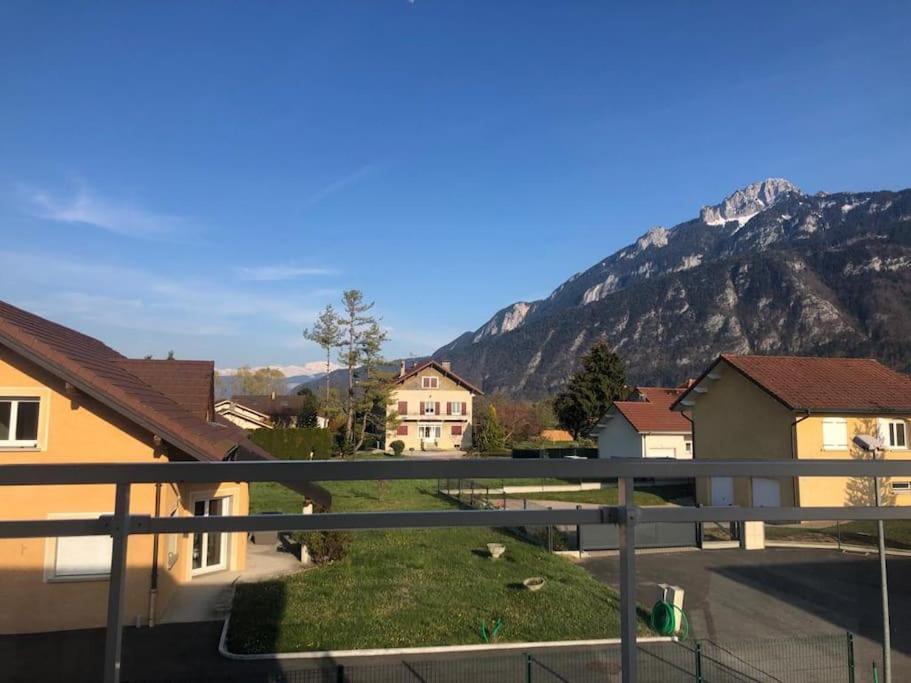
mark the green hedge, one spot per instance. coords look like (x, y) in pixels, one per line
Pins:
(295, 444)
(578, 451)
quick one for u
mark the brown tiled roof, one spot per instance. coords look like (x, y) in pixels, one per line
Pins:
(839, 385)
(279, 406)
(439, 368)
(100, 372)
(654, 414)
(188, 382)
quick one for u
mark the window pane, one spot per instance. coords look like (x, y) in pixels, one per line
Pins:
(5, 409)
(900, 435)
(27, 421)
(83, 556)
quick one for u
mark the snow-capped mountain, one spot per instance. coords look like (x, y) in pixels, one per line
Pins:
(769, 269)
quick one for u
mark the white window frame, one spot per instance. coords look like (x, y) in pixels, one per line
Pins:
(14, 402)
(456, 407)
(901, 487)
(839, 422)
(436, 429)
(53, 548)
(430, 382)
(888, 429)
(225, 559)
(430, 408)
(688, 447)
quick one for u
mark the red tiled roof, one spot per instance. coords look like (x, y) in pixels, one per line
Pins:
(439, 368)
(187, 382)
(841, 385)
(654, 414)
(279, 406)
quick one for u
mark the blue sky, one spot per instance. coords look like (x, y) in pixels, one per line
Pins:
(205, 177)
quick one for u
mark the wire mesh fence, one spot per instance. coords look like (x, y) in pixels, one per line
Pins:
(811, 659)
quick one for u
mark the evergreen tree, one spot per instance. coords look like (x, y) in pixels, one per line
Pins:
(326, 333)
(489, 434)
(309, 410)
(590, 392)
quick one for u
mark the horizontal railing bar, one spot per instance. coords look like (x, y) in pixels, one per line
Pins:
(430, 519)
(770, 514)
(354, 470)
(47, 528)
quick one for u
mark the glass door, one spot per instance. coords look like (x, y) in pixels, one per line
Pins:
(210, 550)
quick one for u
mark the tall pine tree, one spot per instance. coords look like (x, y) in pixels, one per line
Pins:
(590, 392)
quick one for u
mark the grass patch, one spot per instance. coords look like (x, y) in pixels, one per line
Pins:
(414, 588)
(608, 495)
(898, 534)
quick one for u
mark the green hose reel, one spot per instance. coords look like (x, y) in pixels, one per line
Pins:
(665, 621)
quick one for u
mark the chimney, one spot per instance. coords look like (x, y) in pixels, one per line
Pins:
(447, 366)
(401, 368)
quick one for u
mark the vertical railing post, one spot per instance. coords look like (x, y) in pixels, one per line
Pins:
(527, 667)
(628, 515)
(850, 657)
(120, 534)
(698, 654)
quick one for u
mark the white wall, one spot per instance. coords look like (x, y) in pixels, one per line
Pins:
(664, 441)
(618, 439)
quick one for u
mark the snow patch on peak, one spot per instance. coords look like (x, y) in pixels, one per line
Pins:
(746, 202)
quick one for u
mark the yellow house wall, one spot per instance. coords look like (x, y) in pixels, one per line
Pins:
(75, 431)
(736, 420)
(449, 391)
(837, 491)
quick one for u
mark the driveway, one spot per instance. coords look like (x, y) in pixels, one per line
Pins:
(779, 593)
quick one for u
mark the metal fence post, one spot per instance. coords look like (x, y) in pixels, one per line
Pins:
(628, 515)
(850, 637)
(698, 652)
(114, 634)
(579, 534)
(527, 668)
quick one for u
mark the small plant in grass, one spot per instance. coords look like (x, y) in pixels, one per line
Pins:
(491, 634)
(325, 547)
(398, 447)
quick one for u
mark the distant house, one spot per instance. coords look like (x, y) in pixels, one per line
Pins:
(644, 426)
(68, 398)
(264, 412)
(787, 408)
(555, 435)
(434, 407)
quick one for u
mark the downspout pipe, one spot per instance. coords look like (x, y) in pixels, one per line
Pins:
(153, 582)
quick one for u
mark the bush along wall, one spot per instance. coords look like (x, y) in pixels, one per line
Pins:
(295, 444)
(578, 451)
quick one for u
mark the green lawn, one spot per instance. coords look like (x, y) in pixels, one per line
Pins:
(898, 534)
(608, 495)
(413, 588)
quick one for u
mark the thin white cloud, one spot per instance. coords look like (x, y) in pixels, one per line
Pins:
(340, 184)
(86, 207)
(276, 273)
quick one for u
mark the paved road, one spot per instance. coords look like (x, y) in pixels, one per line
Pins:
(780, 593)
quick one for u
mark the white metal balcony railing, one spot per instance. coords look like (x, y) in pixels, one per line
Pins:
(121, 525)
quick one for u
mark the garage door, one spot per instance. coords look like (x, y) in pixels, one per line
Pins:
(766, 493)
(722, 491)
(661, 453)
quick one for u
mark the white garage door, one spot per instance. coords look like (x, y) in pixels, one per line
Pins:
(766, 493)
(722, 491)
(661, 453)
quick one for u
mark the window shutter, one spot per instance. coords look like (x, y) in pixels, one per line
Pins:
(436, 410)
(402, 430)
(449, 407)
(457, 430)
(834, 433)
(422, 408)
(464, 408)
(403, 407)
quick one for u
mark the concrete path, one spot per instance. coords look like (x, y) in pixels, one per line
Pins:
(780, 593)
(208, 597)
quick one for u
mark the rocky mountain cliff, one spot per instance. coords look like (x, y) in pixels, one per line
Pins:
(768, 270)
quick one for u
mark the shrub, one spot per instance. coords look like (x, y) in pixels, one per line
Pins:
(325, 546)
(295, 444)
(397, 446)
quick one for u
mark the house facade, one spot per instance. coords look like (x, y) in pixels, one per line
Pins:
(68, 398)
(267, 411)
(645, 427)
(783, 408)
(434, 408)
